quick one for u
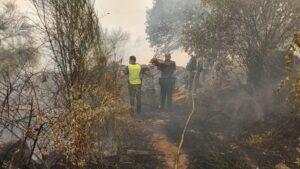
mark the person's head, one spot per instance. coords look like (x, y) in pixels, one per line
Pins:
(132, 59)
(167, 56)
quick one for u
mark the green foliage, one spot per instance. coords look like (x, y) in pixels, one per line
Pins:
(165, 23)
(252, 30)
(292, 80)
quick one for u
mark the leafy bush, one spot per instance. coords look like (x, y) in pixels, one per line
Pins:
(292, 80)
(74, 132)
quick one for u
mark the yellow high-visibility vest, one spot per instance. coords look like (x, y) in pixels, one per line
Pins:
(134, 74)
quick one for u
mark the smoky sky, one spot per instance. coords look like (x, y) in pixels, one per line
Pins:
(130, 16)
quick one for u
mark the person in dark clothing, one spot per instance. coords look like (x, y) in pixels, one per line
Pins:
(191, 67)
(194, 67)
(166, 81)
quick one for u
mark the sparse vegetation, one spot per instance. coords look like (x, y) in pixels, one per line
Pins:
(292, 79)
(258, 139)
(75, 115)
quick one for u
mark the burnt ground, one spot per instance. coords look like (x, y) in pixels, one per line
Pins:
(138, 150)
(151, 141)
(147, 145)
(209, 145)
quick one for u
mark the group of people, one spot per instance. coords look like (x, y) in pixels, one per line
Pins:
(166, 81)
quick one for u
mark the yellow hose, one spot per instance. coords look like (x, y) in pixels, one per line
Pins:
(187, 123)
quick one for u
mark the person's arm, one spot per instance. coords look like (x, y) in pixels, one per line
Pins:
(157, 62)
(160, 66)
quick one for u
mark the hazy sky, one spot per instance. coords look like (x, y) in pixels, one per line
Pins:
(130, 16)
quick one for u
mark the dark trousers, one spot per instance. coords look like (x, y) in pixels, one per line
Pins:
(166, 91)
(135, 92)
(191, 77)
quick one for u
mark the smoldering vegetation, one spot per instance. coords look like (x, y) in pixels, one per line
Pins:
(76, 116)
(240, 121)
(232, 127)
(70, 115)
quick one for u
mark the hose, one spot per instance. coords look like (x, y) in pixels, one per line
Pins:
(187, 122)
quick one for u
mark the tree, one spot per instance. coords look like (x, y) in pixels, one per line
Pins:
(73, 35)
(255, 31)
(251, 30)
(292, 79)
(17, 44)
(165, 23)
(79, 103)
(114, 42)
(18, 54)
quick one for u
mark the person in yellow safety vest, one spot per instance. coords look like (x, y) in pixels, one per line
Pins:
(133, 70)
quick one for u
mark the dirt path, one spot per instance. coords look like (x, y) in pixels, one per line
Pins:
(163, 145)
